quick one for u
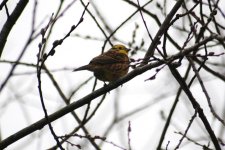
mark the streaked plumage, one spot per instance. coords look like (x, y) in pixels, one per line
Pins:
(110, 65)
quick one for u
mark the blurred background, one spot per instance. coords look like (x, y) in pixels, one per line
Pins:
(133, 116)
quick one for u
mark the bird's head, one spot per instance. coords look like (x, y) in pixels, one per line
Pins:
(120, 48)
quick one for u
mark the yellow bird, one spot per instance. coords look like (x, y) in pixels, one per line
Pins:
(110, 65)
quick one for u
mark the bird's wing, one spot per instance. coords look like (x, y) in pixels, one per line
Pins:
(104, 60)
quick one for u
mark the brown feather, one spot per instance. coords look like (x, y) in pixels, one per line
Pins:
(110, 65)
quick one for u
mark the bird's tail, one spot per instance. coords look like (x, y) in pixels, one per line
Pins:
(86, 67)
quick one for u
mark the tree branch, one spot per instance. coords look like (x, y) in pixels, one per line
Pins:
(10, 23)
(87, 99)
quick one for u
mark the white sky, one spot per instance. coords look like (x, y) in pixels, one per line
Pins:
(146, 125)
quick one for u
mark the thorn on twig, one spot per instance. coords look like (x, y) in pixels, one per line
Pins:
(214, 12)
(45, 56)
(128, 135)
(211, 53)
(43, 40)
(52, 52)
(39, 45)
(43, 32)
(156, 72)
(55, 43)
(151, 78)
(73, 27)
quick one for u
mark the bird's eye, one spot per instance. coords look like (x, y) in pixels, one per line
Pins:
(120, 47)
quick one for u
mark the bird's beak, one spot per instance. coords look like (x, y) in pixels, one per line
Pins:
(128, 49)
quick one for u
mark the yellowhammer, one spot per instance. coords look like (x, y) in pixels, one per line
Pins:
(110, 65)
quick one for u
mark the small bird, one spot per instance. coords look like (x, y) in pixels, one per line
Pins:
(110, 65)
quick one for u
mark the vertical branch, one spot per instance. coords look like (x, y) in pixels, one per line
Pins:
(205, 92)
(128, 135)
(161, 31)
(41, 64)
(172, 111)
(195, 105)
(146, 27)
(39, 68)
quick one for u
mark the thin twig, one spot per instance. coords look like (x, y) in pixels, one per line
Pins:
(206, 93)
(128, 135)
(185, 133)
(83, 101)
(195, 105)
(42, 63)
